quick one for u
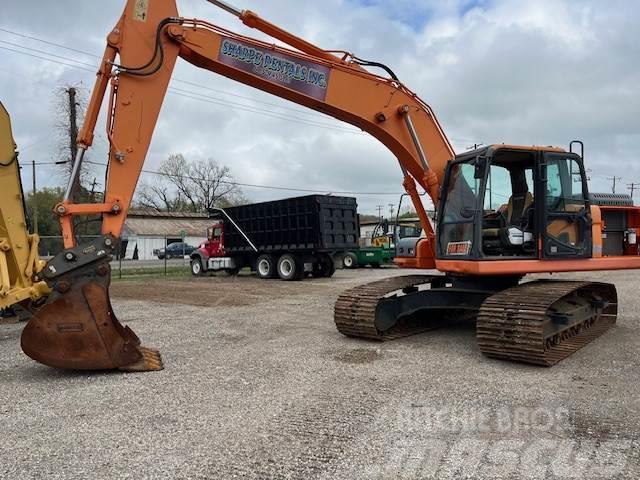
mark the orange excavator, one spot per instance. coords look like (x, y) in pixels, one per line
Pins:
(503, 211)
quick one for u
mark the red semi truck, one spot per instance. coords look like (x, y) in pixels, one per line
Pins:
(289, 238)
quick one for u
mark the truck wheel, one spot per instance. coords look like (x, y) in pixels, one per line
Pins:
(350, 260)
(331, 265)
(319, 269)
(196, 267)
(266, 267)
(324, 267)
(290, 268)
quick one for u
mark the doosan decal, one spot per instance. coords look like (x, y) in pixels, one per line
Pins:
(305, 77)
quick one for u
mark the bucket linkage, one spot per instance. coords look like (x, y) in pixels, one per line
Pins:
(77, 328)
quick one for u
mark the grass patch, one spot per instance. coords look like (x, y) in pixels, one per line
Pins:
(150, 273)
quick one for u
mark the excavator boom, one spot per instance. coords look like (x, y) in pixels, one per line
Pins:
(77, 328)
(20, 264)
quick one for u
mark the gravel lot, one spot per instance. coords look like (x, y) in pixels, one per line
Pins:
(259, 384)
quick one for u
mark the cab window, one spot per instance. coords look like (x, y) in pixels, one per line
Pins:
(458, 214)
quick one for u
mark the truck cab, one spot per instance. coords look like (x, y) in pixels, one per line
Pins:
(211, 255)
(214, 245)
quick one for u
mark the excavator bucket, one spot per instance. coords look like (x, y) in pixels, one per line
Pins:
(77, 328)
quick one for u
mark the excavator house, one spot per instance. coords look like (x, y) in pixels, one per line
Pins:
(502, 211)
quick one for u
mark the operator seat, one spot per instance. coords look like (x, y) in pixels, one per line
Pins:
(516, 214)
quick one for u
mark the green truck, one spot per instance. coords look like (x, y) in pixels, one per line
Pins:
(382, 249)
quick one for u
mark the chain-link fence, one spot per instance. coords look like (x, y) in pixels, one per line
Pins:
(136, 257)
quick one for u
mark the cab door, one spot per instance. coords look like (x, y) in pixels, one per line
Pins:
(566, 219)
(216, 244)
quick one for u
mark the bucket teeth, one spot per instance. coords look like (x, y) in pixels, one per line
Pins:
(77, 328)
(151, 361)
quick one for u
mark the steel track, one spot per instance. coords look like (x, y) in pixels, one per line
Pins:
(518, 323)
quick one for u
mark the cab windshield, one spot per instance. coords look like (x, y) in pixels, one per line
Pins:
(458, 213)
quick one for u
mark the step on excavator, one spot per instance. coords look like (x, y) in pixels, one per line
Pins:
(503, 211)
(21, 289)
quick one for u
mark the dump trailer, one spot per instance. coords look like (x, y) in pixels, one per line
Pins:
(290, 238)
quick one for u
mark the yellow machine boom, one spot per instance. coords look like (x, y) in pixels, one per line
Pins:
(19, 261)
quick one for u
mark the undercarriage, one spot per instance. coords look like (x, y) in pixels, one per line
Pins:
(539, 322)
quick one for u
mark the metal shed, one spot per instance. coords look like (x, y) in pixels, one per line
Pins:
(148, 230)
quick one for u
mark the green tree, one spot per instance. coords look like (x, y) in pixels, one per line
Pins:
(48, 222)
(45, 200)
(409, 214)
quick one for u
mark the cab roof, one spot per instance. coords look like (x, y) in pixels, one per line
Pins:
(491, 150)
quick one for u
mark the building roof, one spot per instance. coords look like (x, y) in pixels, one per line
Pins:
(401, 220)
(152, 223)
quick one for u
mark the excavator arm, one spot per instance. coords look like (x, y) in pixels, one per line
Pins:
(20, 264)
(135, 72)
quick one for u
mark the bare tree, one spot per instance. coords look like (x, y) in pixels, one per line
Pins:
(192, 186)
(70, 103)
(160, 197)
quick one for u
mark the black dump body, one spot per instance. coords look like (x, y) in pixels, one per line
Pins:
(309, 223)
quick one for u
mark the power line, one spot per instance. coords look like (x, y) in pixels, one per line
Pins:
(180, 92)
(239, 184)
(47, 53)
(37, 39)
(203, 98)
(251, 185)
(47, 59)
(310, 113)
(186, 82)
(206, 99)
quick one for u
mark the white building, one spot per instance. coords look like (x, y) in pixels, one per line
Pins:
(148, 230)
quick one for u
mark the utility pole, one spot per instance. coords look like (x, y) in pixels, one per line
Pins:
(73, 136)
(632, 187)
(614, 179)
(92, 200)
(93, 190)
(474, 146)
(35, 199)
(391, 205)
(588, 171)
(380, 207)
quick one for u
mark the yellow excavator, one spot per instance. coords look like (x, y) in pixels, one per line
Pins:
(20, 265)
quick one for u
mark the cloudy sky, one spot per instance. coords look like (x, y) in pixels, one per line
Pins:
(526, 72)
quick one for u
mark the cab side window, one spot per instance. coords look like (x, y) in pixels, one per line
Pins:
(564, 186)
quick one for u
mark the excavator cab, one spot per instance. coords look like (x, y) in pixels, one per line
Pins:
(503, 202)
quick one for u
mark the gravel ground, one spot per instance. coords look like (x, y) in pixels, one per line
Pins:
(259, 384)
